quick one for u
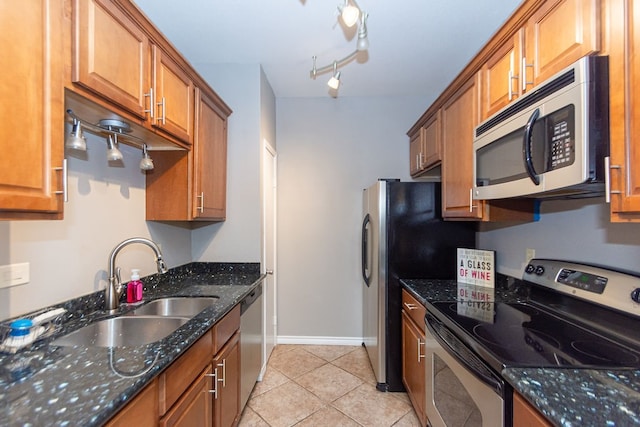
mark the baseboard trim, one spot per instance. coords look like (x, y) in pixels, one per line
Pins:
(290, 339)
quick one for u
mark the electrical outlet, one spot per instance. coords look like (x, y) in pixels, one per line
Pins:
(531, 254)
(14, 275)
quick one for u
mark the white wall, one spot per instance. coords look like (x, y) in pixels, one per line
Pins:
(69, 258)
(238, 238)
(576, 230)
(329, 150)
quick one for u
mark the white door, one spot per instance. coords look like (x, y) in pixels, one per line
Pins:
(269, 187)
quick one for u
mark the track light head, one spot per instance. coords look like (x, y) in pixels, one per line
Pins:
(75, 140)
(334, 81)
(113, 153)
(349, 13)
(363, 41)
(146, 163)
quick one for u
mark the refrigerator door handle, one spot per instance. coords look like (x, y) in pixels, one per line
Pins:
(366, 268)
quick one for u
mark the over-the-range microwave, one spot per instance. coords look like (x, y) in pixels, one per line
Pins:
(552, 142)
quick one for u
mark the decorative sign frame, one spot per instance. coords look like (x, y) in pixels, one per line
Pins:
(476, 267)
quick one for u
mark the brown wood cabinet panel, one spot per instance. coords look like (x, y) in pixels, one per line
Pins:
(559, 33)
(174, 92)
(225, 328)
(226, 402)
(31, 88)
(525, 415)
(624, 68)
(501, 76)
(414, 309)
(459, 119)
(425, 145)
(177, 377)
(111, 55)
(413, 359)
(210, 153)
(142, 411)
(194, 407)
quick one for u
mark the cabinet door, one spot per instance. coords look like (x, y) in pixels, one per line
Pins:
(142, 411)
(559, 33)
(413, 365)
(194, 407)
(226, 402)
(524, 415)
(624, 58)
(459, 118)
(111, 55)
(415, 152)
(431, 141)
(31, 90)
(500, 76)
(210, 161)
(173, 97)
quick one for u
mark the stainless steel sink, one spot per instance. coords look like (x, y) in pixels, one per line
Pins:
(177, 306)
(123, 331)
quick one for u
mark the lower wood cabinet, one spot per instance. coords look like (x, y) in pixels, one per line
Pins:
(525, 415)
(201, 388)
(413, 359)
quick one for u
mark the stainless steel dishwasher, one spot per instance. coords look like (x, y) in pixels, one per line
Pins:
(251, 339)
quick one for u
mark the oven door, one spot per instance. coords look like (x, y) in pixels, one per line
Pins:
(461, 391)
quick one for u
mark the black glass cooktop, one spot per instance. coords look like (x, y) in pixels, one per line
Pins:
(526, 334)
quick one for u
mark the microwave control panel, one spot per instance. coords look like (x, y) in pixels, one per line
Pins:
(560, 126)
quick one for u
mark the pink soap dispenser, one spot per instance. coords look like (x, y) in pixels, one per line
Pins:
(134, 287)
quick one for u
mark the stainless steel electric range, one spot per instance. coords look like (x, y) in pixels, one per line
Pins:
(561, 314)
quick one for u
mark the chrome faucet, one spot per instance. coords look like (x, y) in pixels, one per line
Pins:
(114, 287)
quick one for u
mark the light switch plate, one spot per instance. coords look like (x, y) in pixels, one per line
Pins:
(14, 275)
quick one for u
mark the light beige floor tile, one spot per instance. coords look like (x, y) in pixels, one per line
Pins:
(251, 419)
(357, 363)
(328, 417)
(329, 382)
(370, 407)
(402, 396)
(285, 405)
(295, 362)
(409, 420)
(272, 378)
(330, 352)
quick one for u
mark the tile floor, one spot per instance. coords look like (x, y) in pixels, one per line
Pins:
(317, 385)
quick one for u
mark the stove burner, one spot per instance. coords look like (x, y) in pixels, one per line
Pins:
(606, 352)
(513, 336)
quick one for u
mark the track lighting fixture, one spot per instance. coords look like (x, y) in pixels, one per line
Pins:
(113, 129)
(75, 140)
(146, 163)
(350, 13)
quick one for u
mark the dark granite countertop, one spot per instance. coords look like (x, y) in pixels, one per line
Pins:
(566, 397)
(72, 386)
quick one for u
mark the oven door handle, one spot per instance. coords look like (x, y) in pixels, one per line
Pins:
(526, 147)
(460, 351)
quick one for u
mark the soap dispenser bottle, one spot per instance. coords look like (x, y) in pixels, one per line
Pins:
(134, 287)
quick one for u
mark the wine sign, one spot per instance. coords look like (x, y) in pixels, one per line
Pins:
(476, 267)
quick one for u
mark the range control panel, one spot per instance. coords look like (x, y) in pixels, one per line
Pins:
(602, 286)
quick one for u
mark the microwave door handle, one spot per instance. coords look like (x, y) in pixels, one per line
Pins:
(526, 147)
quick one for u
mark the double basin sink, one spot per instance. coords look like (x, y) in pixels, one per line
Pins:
(144, 325)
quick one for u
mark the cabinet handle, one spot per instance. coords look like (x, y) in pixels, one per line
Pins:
(201, 204)
(223, 365)
(471, 205)
(607, 179)
(410, 306)
(215, 383)
(511, 78)
(65, 182)
(162, 104)
(420, 355)
(524, 74)
(151, 102)
(421, 157)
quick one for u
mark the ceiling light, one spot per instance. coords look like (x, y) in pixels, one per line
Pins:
(349, 14)
(113, 154)
(75, 140)
(146, 163)
(334, 81)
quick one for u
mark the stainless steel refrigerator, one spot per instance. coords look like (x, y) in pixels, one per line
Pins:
(403, 236)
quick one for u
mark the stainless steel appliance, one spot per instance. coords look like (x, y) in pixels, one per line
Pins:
(251, 342)
(403, 236)
(552, 142)
(561, 314)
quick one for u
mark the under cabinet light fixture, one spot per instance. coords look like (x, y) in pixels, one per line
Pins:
(350, 13)
(112, 129)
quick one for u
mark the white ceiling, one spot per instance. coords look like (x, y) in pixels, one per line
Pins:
(417, 47)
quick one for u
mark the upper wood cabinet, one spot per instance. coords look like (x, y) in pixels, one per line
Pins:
(114, 59)
(624, 66)
(459, 119)
(425, 145)
(559, 33)
(31, 88)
